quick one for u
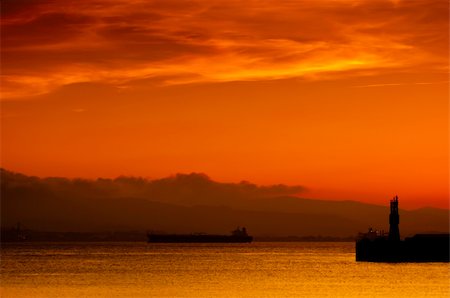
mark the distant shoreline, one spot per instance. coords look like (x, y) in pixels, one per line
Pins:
(11, 235)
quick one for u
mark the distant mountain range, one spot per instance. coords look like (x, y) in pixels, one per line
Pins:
(193, 203)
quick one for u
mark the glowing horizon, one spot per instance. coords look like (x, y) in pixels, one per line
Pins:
(349, 98)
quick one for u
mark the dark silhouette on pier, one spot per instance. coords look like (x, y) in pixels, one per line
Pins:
(376, 246)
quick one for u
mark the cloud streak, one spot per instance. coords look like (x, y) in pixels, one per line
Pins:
(46, 44)
(400, 84)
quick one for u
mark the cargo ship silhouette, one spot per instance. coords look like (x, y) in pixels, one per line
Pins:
(237, 236)
(377, 246)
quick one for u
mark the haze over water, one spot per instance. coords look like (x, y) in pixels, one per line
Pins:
(210, 270)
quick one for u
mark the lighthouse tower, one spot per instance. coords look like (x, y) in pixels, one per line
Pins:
(394, 220)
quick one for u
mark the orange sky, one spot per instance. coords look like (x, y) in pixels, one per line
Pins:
(349, 98)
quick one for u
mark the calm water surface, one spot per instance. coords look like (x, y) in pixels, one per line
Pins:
(210, 270)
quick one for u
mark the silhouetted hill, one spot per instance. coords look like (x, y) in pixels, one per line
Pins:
(191, 203)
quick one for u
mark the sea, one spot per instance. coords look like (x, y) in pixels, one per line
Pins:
(259, 269)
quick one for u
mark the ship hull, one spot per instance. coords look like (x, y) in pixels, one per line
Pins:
(155, 238)
(420, 248)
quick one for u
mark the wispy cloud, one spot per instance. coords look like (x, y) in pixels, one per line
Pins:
(400, 84)
(47, 44)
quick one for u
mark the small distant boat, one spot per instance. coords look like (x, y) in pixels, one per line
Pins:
(377, 246)
(14, 234)
(237, 236)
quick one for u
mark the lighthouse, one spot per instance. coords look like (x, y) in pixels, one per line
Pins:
(394, 220)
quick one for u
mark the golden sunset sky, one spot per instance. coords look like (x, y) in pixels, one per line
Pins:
(349, 98)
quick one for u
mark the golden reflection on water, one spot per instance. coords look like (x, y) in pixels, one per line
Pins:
(210, 270)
